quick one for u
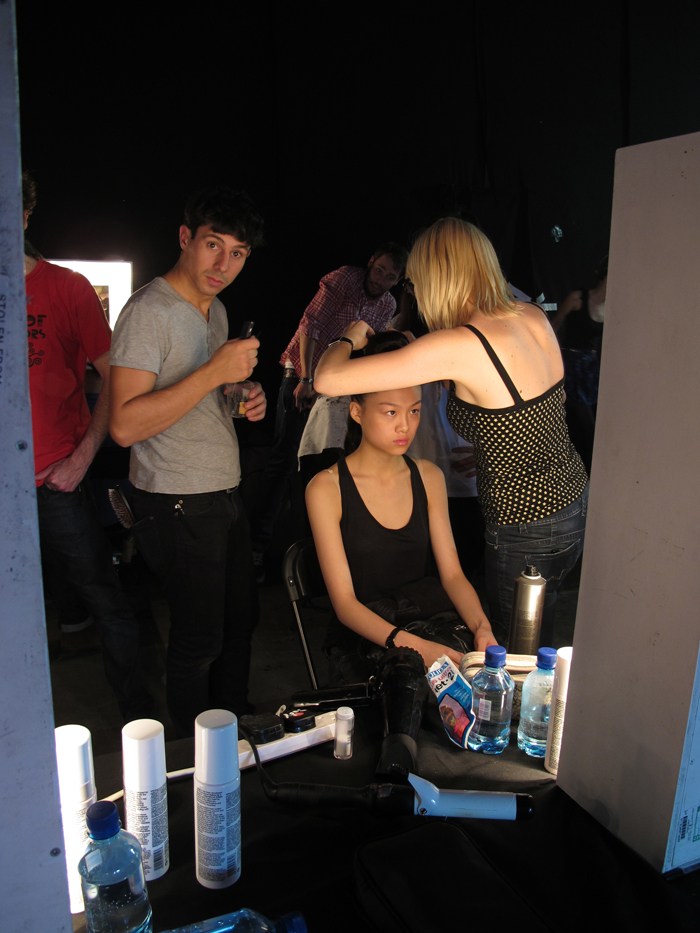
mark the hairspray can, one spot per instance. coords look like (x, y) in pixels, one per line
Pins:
(526, 613)
(146, 793)
(217, 799)
(76, 784)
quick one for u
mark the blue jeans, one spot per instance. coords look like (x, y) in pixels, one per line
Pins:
(206, 565)
(289, 427)
(74, 546)
(552, 544)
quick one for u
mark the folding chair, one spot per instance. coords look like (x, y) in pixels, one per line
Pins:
(304, 582)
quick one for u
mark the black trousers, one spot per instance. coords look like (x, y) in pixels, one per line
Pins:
(206, 564)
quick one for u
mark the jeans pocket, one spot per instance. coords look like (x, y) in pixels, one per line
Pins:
(554, 559)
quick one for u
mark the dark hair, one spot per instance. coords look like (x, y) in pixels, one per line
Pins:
(377, 343)
(28, 192)
(602, 268)
(229, 212)
(397, 253)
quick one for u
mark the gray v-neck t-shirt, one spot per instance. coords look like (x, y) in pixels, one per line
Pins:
(162, 333)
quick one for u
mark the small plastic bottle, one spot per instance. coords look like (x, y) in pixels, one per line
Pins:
(111, 872)
(492, 704)
(536, 704)
(247, 921)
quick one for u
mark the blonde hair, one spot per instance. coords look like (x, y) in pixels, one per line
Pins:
(452, 265)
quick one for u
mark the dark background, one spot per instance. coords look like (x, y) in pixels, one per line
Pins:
(349, 124)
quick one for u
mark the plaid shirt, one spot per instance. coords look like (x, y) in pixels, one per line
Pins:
(339, 301)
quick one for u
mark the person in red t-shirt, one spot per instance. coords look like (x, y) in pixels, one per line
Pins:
(66, 327)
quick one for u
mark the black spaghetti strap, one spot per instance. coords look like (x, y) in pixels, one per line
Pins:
(500, 369)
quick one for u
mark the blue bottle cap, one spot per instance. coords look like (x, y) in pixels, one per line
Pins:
(495, 656)
(291, 923)
(102, 819)
(547, 658)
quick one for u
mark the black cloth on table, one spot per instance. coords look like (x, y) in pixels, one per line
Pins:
(565, 870)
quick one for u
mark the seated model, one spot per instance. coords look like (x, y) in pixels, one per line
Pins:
(381, 526)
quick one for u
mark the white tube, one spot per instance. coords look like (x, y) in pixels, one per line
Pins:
(217, 799)
(146, 793)
(76, 785)
(344, 729)
(558, 709)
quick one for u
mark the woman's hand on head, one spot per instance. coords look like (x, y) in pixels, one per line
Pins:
(358, 333)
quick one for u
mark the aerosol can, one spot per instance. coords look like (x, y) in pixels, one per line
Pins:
(526, 614)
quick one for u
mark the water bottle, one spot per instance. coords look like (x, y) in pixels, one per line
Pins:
(536, 703)
(492, 704)
(111, 872)
(247, 921)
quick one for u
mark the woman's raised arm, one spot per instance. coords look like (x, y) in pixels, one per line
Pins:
(440, 355)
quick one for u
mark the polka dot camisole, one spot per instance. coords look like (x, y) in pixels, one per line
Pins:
(526, 466)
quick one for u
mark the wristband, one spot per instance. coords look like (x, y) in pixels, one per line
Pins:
(389, 643)
(342, 340)
(306, 380)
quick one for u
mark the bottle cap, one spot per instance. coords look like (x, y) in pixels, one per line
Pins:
(76, 775)
(102, 819)
(546, 658)
(291, 923)
(495, 656)
(344, 714)
(216, 747)
(143, 754)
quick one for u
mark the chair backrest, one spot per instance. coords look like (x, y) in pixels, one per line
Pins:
(301, 571)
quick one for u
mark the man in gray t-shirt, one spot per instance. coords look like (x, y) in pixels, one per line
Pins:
(170, 358)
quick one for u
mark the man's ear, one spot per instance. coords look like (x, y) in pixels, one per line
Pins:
(185, 236)
(371, 261)
(356, 412)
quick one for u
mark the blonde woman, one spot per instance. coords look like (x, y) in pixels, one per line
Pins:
(507, 399)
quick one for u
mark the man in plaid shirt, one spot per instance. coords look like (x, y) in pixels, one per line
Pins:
(346, 295)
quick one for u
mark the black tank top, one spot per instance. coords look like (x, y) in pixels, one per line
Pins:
(381, 560)
(526, 466)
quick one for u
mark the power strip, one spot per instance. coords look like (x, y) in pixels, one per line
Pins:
(323, 731)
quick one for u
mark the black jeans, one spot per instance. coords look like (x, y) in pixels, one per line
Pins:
(207, 570)
(74, 546)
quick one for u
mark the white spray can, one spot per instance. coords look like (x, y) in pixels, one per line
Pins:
(76, 785)
(217, 799)
(558, 709)
(146, 793)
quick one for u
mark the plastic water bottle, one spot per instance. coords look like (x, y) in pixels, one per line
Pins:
(111, 873)
(492, 704)
(247, 921)
(536, 703)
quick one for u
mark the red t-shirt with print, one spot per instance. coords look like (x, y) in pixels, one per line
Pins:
(66, 327)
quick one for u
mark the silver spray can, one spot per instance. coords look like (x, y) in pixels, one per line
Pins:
(526, 613)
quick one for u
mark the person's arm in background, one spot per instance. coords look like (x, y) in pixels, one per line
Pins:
(304, 393)
(572, 302)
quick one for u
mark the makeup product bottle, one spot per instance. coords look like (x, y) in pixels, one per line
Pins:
(344, 729)
(217, 799)
(76, 785)
(556, 718)
(146, 793)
